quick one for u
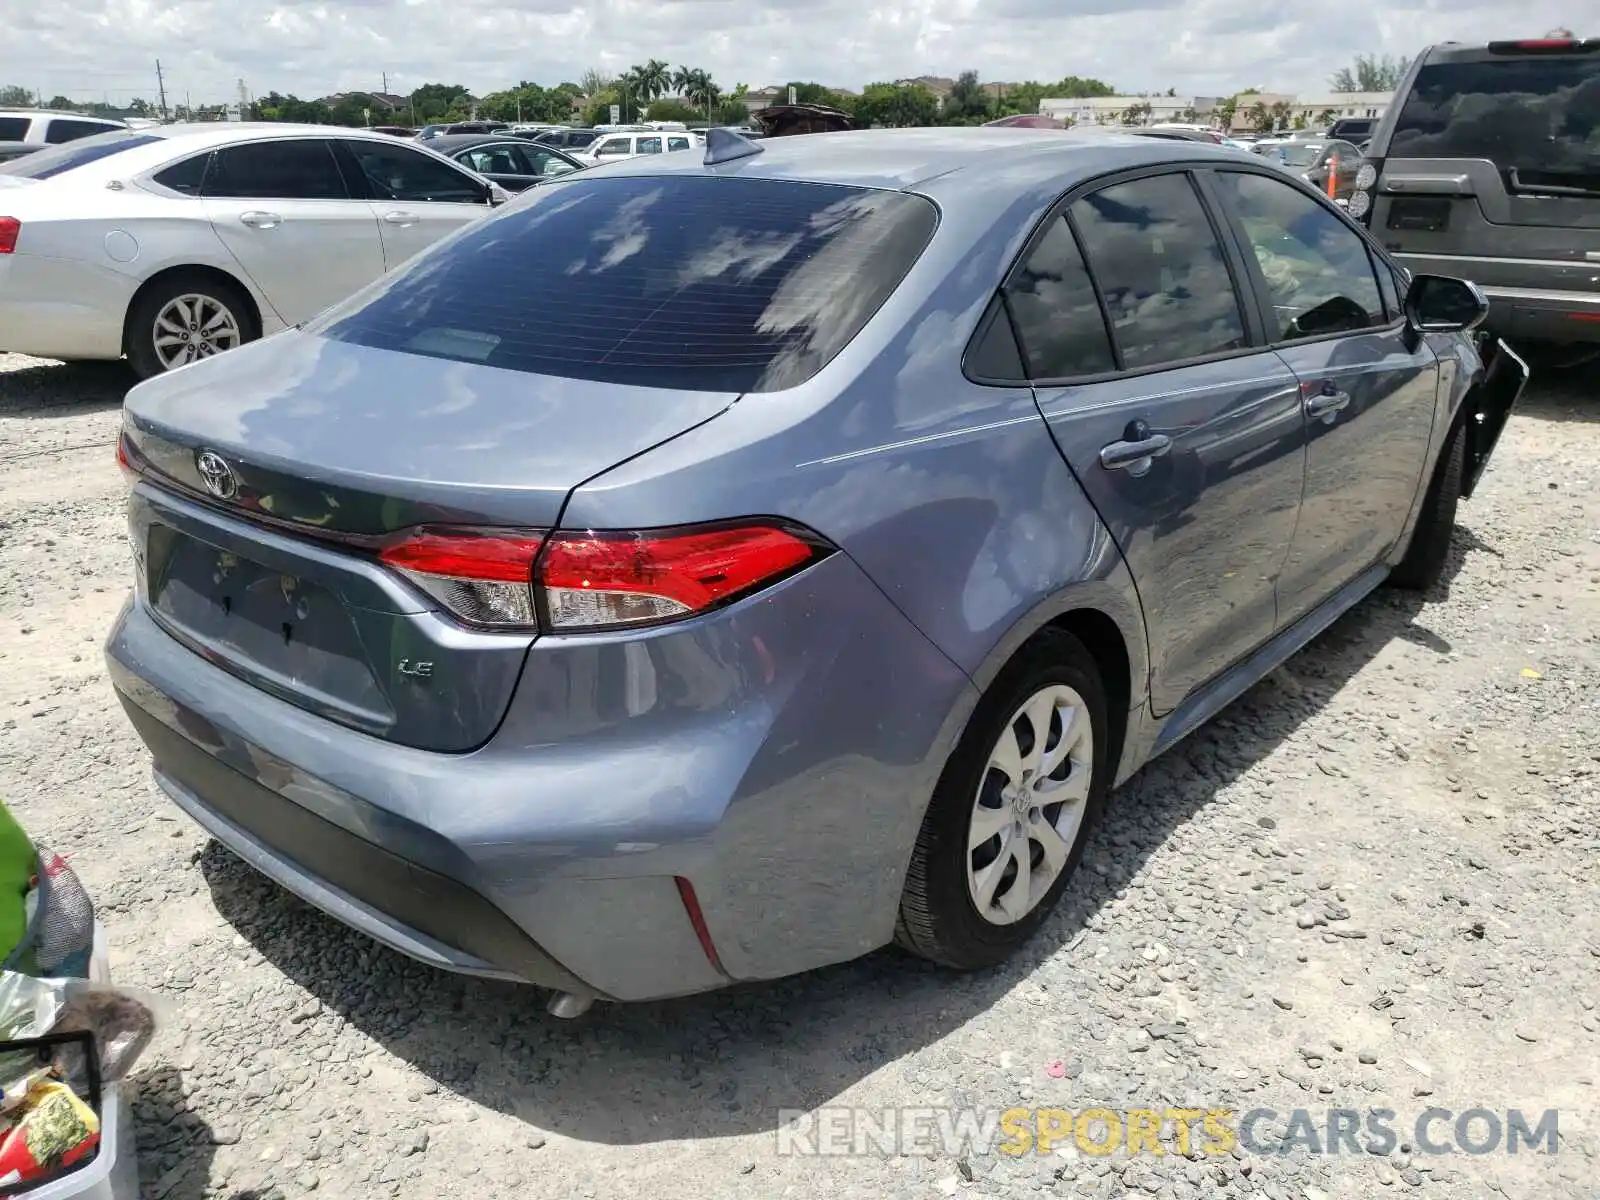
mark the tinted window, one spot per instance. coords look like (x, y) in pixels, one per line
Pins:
(649, 145)
(1535, 114)
(63, 130)
(46, 164)
(737, 285)
(395, 173)
(14, 129)
(580, 139)
(677, 143)
(185, 176)
(995, 355)
(278, 170)
(1318, 272)
(1059, 321)
(1161, 271)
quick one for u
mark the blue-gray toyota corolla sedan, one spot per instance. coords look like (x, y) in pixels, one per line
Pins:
(709, 568)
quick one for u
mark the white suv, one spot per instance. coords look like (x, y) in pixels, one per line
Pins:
(616, 146)
(42, 125)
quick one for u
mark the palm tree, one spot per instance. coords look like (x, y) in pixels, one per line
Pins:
(632, 84)
(656, 78)
(681, 79)
(695, 86)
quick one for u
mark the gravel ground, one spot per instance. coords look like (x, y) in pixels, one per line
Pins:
(1369, 885)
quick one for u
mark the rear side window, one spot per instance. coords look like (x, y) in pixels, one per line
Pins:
(1059, 322)
(14, 129)
(66, 130)
(1161, 271)
(691, 282)
(186, 176)
(47, 164)
(276, 170)
(1538, 115)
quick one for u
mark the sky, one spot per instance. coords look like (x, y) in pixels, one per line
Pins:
(106, 49)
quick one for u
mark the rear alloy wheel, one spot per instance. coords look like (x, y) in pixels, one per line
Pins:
(1007, 823)
(184, 322)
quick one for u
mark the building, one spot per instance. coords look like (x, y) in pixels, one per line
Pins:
(1324, 108)
(1130, 110)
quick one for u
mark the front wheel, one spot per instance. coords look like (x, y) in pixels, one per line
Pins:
(1008, 820)
(186, 319)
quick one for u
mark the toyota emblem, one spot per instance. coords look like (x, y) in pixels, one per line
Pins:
(217, 475)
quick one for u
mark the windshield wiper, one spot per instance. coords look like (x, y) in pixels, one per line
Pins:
(1584, 183)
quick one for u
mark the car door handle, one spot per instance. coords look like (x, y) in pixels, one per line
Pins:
(260, 220)
(399, 217)
(1327, 405)
(1134, 456)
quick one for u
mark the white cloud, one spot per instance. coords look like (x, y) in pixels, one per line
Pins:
(108, 48)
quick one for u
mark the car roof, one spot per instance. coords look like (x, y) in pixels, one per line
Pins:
(900, 159)
(455, 141)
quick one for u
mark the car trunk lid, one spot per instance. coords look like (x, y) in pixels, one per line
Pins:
(277, 471)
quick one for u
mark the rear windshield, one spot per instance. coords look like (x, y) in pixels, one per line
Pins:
(14, 129)
(48, 163)
(693, 282)
(1535, 114)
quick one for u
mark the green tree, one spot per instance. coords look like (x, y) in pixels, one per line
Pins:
(967, 103)
(1073, 87)
(598, 111)
(697, 88)
(731, 112)
(12, 96)
(439, 102)
(594, 81)
(810, 93)
(1138, 114)
(61, 102)
(1280, 114)
(1370, 73)
(1260, 118)
(896, 106)
(655, 78)
(669, 109)
(1226, 110)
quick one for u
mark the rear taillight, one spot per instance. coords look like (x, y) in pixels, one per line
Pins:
(484, 576)
(568, 582)
(129, 459)
(10, 228)
(1360, 206)
(1546, 45)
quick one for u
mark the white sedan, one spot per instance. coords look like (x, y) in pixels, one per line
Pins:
(176, 243)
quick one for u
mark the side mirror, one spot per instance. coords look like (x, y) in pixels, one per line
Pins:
(1444, 304)
(497, 195)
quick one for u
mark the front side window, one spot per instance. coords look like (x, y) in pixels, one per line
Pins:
(1058, 318)
(614, 147)
(1161, 271)
(410, 176)
(1318, 272)
(687, 282)
(289, 169)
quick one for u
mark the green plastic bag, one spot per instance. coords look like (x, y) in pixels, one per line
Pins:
(19, 862)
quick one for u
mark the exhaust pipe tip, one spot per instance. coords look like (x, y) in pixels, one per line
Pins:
(568, 1005)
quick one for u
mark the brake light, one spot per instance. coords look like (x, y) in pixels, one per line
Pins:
(519, 578)
(483, 576)
(125, 459)
(595, 580)
(10, 227)
(1550, 45)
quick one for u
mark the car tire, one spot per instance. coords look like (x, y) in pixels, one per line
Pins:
(962, 906)
(1423, 565)
(223, 320)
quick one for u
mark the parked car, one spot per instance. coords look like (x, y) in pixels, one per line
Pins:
(177, 243)
(1485, 165)
(431, 131)
(399, 131)
(613, 147)
(713, 567)
(50, 127)
(569, 140)
(476, 127)
(514, 164)
(10, 150)
(1315, 162)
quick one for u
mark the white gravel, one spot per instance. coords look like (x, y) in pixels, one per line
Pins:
(1371, 884)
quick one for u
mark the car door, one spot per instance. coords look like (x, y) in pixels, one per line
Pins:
(417, 197)
(539, 163)
(282, 209)
(1369, 385)
(1185, 434)
(499, 163)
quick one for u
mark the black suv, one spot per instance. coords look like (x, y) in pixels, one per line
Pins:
(1487, 166)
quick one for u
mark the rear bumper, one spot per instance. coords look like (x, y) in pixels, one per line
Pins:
(62, 308)
(777, 755)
